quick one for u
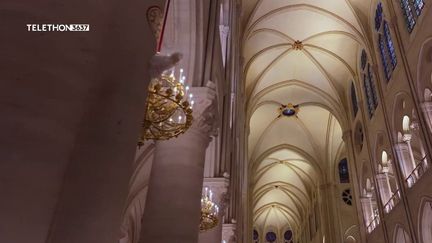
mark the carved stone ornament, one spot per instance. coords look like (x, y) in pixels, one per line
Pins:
(155, 18)
(205, 111)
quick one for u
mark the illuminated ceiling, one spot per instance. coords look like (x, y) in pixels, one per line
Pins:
(301, 52)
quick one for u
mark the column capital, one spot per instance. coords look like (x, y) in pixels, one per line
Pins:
(219, 187)
(205, 110)
(407, 137)
(228, 233)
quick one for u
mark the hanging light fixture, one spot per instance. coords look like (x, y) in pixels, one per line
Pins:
(168, 108)
(209, 211)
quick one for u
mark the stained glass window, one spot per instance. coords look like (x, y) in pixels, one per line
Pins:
(288, 235)
(367, 91)
(418, 6)
(354, 100)
(371, 97)
(412, 10)
(347, 197)
(378, 16)
(390, 46)
(271, 237)
(385, 42)
(255, 236)
(383, 52)
(408, 13)
(373, 88)
(343, 171)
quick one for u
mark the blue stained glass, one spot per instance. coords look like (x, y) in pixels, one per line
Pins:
(367, 91)
(383, 53)
(390, 46)
(255, 235)
(418, 6)
(373, 88)
(354, 100)
(378, 16)
(343, 171)
(288, 235)
(408, 13)
(271, 237)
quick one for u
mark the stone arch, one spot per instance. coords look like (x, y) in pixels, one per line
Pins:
(352, 234)
(406, 131)
(425, 220)
(350, 239)
(424, 80)
(424, 68)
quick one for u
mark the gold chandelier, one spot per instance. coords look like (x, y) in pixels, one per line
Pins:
(168, 108)
(209, 211)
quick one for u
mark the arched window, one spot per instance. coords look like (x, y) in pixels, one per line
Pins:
(343, 171)
(368, 84)
(354, 100)
(271, 237)
(288, 236)
(411, 10)
(255, 236)
(385, 43)
(370, 90)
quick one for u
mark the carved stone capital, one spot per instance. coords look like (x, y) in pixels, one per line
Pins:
(219, 187)
(229, 233)
(407, 137)
(205, 111)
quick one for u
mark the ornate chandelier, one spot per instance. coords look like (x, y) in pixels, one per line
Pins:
(209, 211)
(168, 108)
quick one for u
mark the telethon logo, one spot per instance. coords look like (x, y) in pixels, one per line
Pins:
(57, 27)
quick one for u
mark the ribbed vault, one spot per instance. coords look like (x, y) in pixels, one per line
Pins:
(304, 53)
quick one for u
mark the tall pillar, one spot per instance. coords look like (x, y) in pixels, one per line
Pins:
(385, 190)
(402, 151)
(366, 210)
(407, 140)
(219, 187)
(172, 212)
(71, 106)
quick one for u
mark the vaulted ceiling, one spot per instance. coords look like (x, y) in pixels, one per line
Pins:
(303, 52)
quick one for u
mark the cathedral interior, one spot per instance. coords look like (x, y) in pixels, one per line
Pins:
(216, 121)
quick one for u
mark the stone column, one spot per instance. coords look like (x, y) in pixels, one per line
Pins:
(407, 139)
(219, 187)
(385, 190)
(71, 106)
(404, 158)
(367, 210)
(172, 212)
(427, 110)
(223, 32)
(228, 233)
